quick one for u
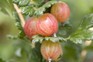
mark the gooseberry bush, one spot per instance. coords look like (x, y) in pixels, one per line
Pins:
(47, 33)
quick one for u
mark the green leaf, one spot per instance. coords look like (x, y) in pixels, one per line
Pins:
(27, 52)
(21, 33)
(7, 51)
(37, 2)
(81, 35)
(35, 55)
(16, 1)
(89, 47)
(18, 24)
(87, 22)
(71, 52)
(12, 37)
(28, 10)
(38, 38)
(64, 29)
(1, 60)
(83, 32)
(40, 10)
(6, 7)
(21, 2)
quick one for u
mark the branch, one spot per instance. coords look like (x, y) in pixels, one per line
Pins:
(18, 10)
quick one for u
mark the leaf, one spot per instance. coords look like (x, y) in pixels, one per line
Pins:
(35, 55)
(28, 10)
(7, 51)
(38, 38)
(16, 1)
(37, 2)
(11, 37)
(71, 52)
(18, 24)
(21, 33)
(89, 48)
(80, 35)
(21, 2)
(28, 54)
(83, 32)
(6, 7)
(1, 60)
(32, 54)
(40, 10)
(87, 22)
(64, 29)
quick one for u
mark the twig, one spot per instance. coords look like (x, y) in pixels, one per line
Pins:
(18, 10)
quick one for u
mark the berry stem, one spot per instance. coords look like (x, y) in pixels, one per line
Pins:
(54, 35)
(49, 60)
(22, 20)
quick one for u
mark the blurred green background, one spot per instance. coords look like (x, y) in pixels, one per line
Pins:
(8, 49)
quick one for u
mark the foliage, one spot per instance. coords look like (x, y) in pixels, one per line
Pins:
(23, 50)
